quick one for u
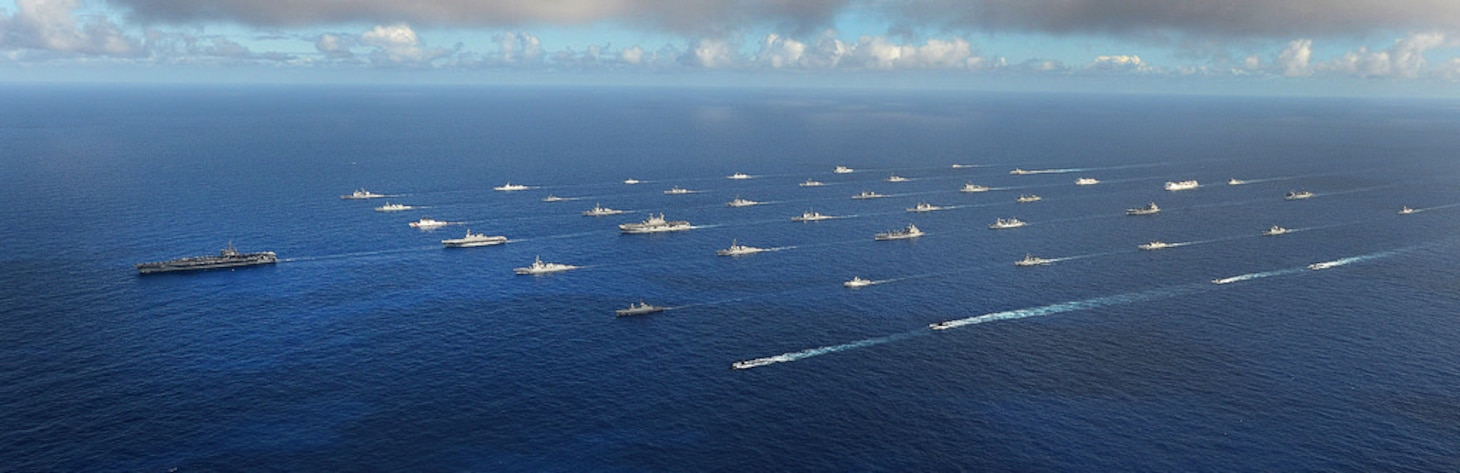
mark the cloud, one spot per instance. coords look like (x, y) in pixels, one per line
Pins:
(221, 47)
(1404, 59)
(335, 46)
(398, 45)
(782, 52)
(1293, 61)
(632, 55)
(869, 52)
(52, 25)
(880, 52)
(778, 52)
(591, 56)
(188, 48)
(711, 53)
(1449, 70)
(1120, 63)
(1042, 65)
(517, 47)
(1252, 63)
(684, 16)
(1225, 18)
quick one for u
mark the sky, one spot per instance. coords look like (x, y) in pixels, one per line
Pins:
(1273, 47)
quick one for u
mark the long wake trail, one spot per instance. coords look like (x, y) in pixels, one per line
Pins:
(1080, 257)
(1437, 207)
(557, 237)
(1052, 309)
(990, 317)
(818, 351)
(359, 254)
(1071, 306)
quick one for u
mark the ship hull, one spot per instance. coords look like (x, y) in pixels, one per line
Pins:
(633, 312)
(738, 252)
(473, 244)
(884, 237)
(658, 229)
(534, 272)
(255, 259)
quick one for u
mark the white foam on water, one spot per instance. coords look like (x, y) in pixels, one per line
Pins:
(818, 351)
(1131, 179)
(1437, 207)
(1079, 257)
(741, 224)
(1363, 258)
(359, 254)
(1354, 191)
(1044, 310)
(1056, 171)
(1251, 276)
(556, 237)
(990, 317)
(1063, 307)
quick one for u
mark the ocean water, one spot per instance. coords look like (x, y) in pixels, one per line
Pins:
(371, 348)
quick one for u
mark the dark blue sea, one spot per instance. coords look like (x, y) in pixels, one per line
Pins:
(369, 347)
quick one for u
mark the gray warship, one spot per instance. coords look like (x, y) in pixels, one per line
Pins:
(227, 258)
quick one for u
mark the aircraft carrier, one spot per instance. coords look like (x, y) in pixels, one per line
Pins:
(227, 258)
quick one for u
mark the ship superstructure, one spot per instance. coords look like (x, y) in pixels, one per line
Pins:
(655, 224)
(229, 257)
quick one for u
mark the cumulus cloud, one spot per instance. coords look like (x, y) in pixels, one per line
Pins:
(782, 52)
(399, 45)
(869, 52)
(518, 47)
(778, 52)
(632, 55)
(1118, 63)
(1405, 58)
(711, 53)
(880, 52)
(52, 25)
(1407, 54)
(1294, 60)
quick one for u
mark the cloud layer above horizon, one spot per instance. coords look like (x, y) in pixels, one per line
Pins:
(1224, 18)
(1277, 38)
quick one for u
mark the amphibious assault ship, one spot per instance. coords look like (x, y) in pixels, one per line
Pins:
(227, 258)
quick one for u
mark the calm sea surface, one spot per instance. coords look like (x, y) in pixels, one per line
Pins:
(369, 347)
